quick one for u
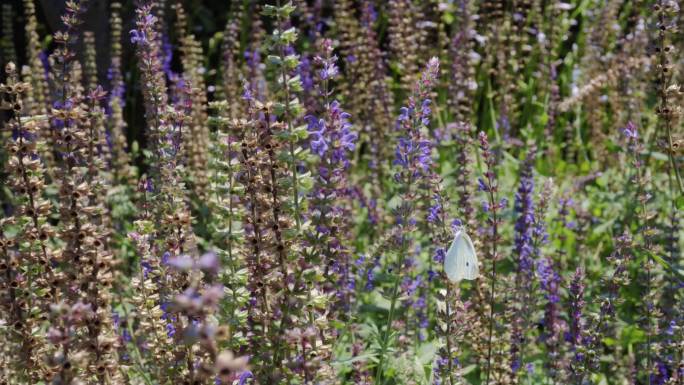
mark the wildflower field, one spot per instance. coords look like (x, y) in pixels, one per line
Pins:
(341, 192)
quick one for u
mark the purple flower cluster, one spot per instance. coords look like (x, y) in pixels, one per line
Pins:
(273, 215)
(524, 225)
(332, 138)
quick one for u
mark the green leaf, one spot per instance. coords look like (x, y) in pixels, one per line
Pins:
(378, 300)
(306, 181)
(291, 61)
(274, 60)
(426, 353)
(632, 335)
(659, 156)
(468, 369)
(666, 265)
(360, 357)
(295, 84)
(269, 10)
(278, 108)
(448, 18)
(301, 132)
(603, 227)
(286, 10)
(679, 202)
(289, 37)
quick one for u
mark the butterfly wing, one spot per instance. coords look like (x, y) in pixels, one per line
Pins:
(450, 267)
(471, 268)
(461, 261)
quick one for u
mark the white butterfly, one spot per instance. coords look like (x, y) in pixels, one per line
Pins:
(461, 261)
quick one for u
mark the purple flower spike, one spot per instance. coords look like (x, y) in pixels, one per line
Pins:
(630, 131)
(244, 376)
(183, 262)
(209, 262)
(138, 37)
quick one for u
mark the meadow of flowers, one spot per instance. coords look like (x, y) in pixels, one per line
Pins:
(262, 192)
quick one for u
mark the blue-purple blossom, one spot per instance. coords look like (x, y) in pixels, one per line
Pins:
(333, 137)
(372, 173)
(576, 332)
(244, 376)
(182, 262)
(305, 73)
(524, 208)
(317, 132)
(138, 37)
(209, 262)
(434, 213)
(548, 279)
(630, 131)
(425, 112)
(440, 254)
(414, 155)
(404, 114)
(481, 185)
(329, 70)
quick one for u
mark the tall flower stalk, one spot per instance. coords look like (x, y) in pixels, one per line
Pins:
(30, 244)
(524, 254)
(238, 205)
(284, 61)
(665, 12)
(413, 158)
(492, 206)
(333, 141)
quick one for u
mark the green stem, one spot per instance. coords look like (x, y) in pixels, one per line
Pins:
(379, 371)
(448, 334)
(492, 202)
(664, 80)
(288, 119)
